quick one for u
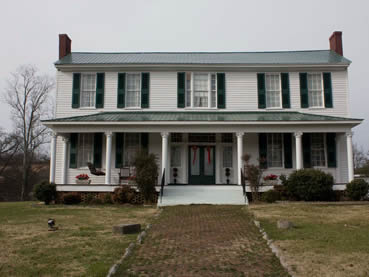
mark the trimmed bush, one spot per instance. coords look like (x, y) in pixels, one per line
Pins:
(357, 189)
(310, 185)
(89, 198)
(107, 199)
(45, 192)
(270, 196)
(123, 195)
(71, 198)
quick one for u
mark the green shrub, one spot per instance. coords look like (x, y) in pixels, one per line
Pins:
(89, 198)
(146, 175)
(357, 189)
(45, 192)
(123, 195)
(282, 191)
(71, 198)
(107, 199)
(270, 196)
(310, 185)
(96, 201)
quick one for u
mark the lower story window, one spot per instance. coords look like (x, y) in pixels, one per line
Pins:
(227, 156)
(274, 154)
(131, 147)
(317, 150)
(175, 156)
(85, 149)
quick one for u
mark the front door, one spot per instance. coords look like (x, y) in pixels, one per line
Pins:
(201, 161)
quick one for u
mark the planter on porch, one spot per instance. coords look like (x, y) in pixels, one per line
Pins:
(83, 182)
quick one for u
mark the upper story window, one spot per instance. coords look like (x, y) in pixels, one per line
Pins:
(315, 90)
(273, 90)
(201, 90)
(133, 94)
(88, 90)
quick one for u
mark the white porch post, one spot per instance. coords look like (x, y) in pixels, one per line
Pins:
(239, 156)
(65, 160)
(164, 154)
(350, 160)
(109, 136)
(298, 136)
(53, 157)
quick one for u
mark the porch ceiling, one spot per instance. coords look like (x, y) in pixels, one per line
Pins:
(206, 117)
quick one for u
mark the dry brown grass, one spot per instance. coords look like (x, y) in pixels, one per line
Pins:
(84, 245)
(330, 239)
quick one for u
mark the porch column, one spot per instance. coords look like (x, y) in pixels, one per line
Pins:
(65, 160)
(53, 157)
(350, 160)
(164, 155)
(109, 136)
(239, 156)
(298, 136)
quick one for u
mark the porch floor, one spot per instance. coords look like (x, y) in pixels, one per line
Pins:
(202, 194)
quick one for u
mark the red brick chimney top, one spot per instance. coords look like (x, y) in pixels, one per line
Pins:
(335, 43)
(65, 45)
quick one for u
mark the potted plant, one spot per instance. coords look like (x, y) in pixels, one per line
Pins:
(271, 180)
(83, 179)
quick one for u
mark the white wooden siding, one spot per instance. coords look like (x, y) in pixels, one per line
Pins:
(241, 93)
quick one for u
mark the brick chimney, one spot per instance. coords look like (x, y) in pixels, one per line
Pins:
(335, 43)
(65, 45)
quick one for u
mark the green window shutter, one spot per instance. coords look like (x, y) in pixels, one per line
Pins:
(304, 97)
(73, 150)
(306, 146)
(263, 150)
(285, 80)
(331, 150)
(121, 90)
(181, 85)
(145, 142)
(327, 84)
(221, 90)
(261, 91)
(287, 145)
(98, 140)
(100, 84)
(76, 90)
(145, 90)
(119, 148)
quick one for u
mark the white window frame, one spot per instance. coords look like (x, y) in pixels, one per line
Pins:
(79, 149)
(81, 91)
(139, 92)
(125, 145)
(223, 149)
(280, 91)
(179, 146)
(209, 90)
(325, 151)
(322, 89)
(282, 149)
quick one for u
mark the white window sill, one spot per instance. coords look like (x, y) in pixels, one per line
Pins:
(275, 109)
(133, 108)
(201, 108)
(87, 108)
(316, 108)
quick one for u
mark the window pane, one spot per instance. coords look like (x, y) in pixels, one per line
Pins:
(208, 161)
(175, 160)
(88, 90)
(200, 90)
(227, 137)
(274, 153)
(131, 147)
(227, 156)
(85, 149)
(176, 137)
(133, 94)
(188, 89)
(273, 92)
(317, 150)
(315, 90)
(213, 91)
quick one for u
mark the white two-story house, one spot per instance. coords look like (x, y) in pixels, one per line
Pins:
(199, 112)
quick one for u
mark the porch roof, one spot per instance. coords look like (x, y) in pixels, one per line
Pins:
(201, 116)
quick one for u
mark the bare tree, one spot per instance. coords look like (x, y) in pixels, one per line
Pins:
(9, 145)
(27, 94)
(360, 156)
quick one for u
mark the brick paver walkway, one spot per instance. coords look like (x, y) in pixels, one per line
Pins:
(203, 240)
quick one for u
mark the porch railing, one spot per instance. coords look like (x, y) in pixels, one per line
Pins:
(162, 186)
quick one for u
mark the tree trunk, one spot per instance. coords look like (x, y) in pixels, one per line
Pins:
(24, 178)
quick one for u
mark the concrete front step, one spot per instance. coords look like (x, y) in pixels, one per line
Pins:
(202, 194)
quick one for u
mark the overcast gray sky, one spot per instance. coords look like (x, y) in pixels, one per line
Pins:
(29, 33)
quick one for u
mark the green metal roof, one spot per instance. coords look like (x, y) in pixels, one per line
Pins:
(323, 57)
(204, 116)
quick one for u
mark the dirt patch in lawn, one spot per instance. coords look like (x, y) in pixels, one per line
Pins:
(203, 240)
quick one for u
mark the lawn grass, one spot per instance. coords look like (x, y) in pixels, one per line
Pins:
(330, 239)
(84, 245)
